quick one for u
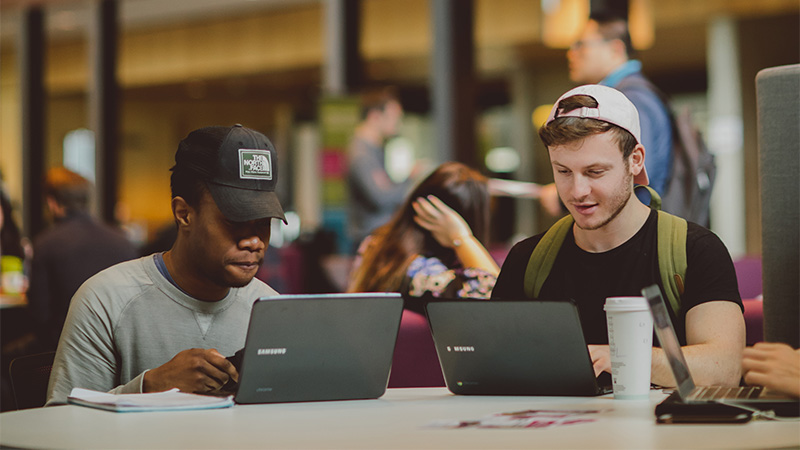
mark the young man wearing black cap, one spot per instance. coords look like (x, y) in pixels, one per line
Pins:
(166, 320)
(611, 246)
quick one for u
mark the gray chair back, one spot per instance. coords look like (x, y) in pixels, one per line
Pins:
(778, 97)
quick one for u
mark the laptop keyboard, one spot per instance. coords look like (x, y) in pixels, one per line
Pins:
(729, 393)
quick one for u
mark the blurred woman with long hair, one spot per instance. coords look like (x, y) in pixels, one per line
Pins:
(433, 245)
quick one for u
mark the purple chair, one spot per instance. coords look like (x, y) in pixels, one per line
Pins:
(415, 362)
(753, 320)
(748, 275)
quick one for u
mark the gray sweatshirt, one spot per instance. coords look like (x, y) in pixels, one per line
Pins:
(128, 319)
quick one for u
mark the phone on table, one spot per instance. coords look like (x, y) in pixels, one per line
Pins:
(679, 418)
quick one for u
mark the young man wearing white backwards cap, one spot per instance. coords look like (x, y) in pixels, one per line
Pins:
(610, 243)
(166, 320)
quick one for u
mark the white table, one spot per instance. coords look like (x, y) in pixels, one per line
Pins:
(397, 420)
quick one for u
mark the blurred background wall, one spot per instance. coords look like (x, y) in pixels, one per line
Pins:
(183, 64)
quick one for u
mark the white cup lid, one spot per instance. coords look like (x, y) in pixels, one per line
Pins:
(626, 304)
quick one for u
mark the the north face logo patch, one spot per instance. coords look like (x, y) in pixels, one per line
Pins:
(255, 164)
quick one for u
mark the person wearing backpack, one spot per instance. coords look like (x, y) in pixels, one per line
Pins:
(605, 55)
(611, 244)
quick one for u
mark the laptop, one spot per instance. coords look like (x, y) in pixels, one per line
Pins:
(512, 348)
(302, 348)
(691, 399)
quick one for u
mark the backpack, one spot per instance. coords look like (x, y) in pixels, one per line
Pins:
(688, 189)
(671, 254)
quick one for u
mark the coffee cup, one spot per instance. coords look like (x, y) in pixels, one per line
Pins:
(630, 339)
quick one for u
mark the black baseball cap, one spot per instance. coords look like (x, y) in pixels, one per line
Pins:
(240, 168)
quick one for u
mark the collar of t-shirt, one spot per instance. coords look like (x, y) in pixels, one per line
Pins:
(203, 320)
(162, 269)
(629, 68)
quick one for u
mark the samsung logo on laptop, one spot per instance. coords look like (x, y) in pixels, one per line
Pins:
(271, 351)
(463, 348)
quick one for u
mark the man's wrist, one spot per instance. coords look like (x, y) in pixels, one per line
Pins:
(142, 385)
(461, 240)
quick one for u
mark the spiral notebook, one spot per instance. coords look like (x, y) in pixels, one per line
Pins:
(172, 400)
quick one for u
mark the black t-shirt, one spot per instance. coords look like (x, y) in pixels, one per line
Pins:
(588, 278)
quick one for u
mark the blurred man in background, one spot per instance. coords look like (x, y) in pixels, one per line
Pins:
(605, 55)
(374, 196)
(75, 248)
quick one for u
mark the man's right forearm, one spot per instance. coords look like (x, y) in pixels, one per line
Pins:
(707, 366)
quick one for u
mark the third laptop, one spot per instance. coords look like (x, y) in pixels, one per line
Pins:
(691, 398)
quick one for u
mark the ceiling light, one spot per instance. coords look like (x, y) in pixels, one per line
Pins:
(563, 21)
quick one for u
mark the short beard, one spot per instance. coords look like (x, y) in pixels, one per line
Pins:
(239, 284)
(623, 201)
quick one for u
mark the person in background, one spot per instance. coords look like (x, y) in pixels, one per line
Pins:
(10, 234)
(165, 320)
(611, 247)
(374, 196)
(17, 338)
(12, 248)
(605, 55)
(76, 247)
(773, 365)
(434, 244)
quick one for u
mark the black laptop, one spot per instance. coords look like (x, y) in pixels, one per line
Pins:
(689, 399)
(303, 348)
(489, 347)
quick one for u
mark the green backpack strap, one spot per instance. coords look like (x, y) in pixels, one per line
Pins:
(655, 199)
(672, 257)
(544, 255)
(671, 250)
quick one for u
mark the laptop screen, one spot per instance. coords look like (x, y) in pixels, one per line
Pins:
(512, 348)
(319, 347)
(669, 340)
